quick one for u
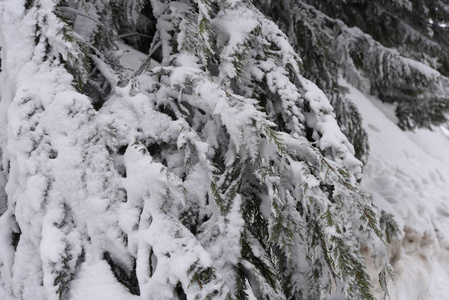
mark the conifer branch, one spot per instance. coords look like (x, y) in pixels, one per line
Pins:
(77, 12)
(144, 66)
(126, 35)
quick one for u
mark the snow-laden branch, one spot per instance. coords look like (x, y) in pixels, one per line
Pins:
(70, 10)
(126, 35)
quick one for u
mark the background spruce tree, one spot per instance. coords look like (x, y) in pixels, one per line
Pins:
(396, 50)
(212, 170)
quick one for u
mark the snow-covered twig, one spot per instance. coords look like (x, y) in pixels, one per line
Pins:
(76, 12)
(146, 63)
(122, 36)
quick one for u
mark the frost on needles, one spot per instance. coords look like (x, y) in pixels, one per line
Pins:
(213, 171)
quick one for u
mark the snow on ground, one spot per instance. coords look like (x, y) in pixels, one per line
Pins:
(407, 173)
(4, 295)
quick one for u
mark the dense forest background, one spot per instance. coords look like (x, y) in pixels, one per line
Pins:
(216, 149)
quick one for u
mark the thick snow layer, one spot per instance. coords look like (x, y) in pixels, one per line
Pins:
(407, 173)
(96, 282)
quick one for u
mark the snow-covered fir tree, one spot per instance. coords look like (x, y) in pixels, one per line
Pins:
(396, 50)
(157, 149)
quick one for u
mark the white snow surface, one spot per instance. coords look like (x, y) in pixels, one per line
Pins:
(407, 174)
(96, 282)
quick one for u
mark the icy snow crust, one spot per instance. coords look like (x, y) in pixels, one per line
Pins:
(407, 174)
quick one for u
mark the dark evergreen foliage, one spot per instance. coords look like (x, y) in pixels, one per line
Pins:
(375, 45)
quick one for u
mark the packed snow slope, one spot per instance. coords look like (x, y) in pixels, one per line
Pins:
(407, 174)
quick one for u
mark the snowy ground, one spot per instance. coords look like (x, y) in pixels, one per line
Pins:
(407, 174)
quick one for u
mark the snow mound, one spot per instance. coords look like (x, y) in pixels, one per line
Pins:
(407, 174)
